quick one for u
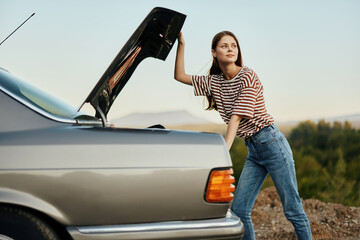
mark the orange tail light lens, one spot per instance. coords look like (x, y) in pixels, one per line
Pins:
(220, 186)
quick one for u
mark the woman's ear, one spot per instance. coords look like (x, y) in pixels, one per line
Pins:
(213, 53)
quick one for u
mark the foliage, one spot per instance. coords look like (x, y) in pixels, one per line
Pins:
(327, 159)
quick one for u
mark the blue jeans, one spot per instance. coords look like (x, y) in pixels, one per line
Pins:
(269, 152)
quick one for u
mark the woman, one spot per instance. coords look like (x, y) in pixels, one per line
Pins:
(236, 93)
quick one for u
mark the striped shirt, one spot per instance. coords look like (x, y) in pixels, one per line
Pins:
(242, 95)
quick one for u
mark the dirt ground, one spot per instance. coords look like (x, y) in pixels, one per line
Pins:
(328, 220)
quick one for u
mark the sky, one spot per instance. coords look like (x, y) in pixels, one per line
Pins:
(306, 53)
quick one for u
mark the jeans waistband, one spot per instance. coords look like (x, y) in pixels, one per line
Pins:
(272, 126)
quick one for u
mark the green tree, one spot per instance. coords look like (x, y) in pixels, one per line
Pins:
(340, 187)
(327, 158)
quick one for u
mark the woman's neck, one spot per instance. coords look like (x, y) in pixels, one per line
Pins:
(230, 70)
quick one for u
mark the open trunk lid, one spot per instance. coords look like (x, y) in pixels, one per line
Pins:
(153, 38)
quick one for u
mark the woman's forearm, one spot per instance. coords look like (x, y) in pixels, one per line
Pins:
(179, 73)
(232, 128)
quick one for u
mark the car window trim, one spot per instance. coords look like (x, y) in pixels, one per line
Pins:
(37, 109)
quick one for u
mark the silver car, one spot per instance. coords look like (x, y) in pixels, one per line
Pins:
(68, 175)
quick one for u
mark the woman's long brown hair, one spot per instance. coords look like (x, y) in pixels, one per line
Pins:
(215, 68)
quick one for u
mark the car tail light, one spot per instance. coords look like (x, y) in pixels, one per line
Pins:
(220, 186)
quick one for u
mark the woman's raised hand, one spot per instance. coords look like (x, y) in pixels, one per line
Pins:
(179, 73)
(181, 39)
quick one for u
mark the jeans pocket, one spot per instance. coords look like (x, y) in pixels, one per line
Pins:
(285, 144)
(265, 137)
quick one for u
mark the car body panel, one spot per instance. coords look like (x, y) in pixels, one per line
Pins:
(87, 160)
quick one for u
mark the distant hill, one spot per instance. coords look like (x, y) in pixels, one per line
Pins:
(172, 118)
(354, 119)
(186, 121)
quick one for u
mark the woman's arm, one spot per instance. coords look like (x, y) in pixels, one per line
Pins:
(179, 73)
(232, 128)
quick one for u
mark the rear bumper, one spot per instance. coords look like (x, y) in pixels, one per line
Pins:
(229, 227)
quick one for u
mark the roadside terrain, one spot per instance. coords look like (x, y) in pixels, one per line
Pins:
(329, 221)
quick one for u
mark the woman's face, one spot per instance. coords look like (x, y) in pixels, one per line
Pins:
(226, 50)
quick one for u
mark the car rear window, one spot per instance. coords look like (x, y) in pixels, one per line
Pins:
(35, 96)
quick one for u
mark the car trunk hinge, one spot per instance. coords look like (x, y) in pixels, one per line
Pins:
(102, 115)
